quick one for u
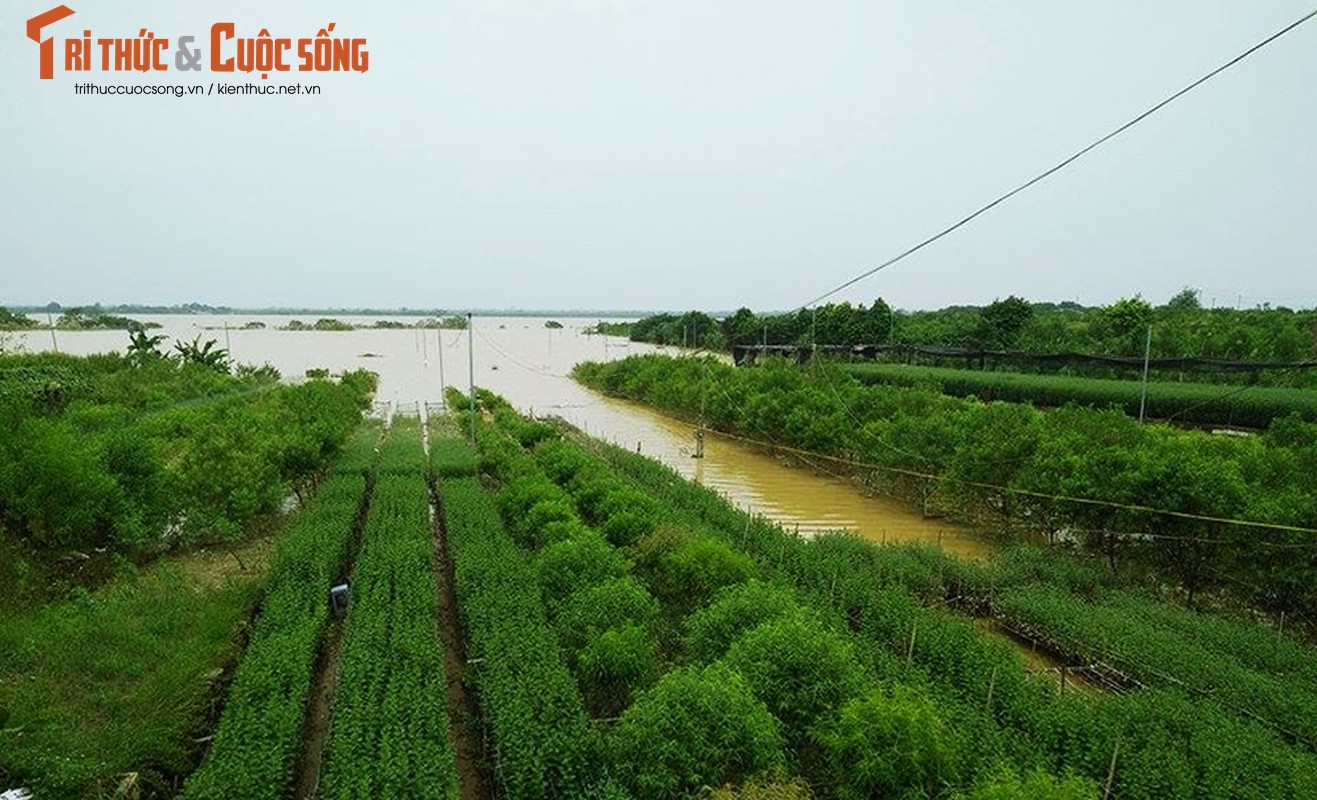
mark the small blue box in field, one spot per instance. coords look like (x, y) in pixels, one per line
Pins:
(339, 598)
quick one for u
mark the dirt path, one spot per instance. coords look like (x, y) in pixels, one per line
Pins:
(473, 780)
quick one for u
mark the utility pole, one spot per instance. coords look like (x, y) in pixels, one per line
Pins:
(704, 388)
(1143, 395)
(471, 368)
(439, 339)
(51, 321)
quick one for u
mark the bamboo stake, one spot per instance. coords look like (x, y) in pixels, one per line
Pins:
(1111, 771)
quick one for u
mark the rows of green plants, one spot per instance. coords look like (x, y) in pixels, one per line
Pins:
(1164, 742)
(1238, 635)
(1154, 655)
(1014, 466)
(1206, 403)
(390, 735)
(673, 731)
(754, 680)
(1262, 648)
(450, 456)
(259, 736)
(401, 453)
(538, 732)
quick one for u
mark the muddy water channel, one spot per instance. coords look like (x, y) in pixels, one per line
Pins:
(528, 363)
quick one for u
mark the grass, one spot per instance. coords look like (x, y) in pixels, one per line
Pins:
(1213, 404)
(118, 681)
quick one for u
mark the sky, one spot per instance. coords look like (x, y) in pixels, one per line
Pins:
(671, 154)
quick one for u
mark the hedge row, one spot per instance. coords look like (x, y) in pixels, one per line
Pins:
(1211, 404)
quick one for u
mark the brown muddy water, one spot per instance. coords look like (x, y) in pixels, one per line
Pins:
(529, 364)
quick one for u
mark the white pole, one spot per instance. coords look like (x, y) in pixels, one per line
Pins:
(471, 365)
(439, 338)
(1147, 351)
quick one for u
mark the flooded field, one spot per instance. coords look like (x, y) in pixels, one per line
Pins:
(529, 364)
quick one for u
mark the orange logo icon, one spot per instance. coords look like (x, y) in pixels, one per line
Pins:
(34, 27)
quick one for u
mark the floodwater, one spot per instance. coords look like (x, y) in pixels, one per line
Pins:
(529, 364)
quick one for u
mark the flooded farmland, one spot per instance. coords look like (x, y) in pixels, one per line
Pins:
(530, 365)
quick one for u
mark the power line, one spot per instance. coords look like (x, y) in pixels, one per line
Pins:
(1066, 162)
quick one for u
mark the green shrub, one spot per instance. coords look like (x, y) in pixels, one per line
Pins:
(688, 576)
(885, 744)
(626, 528)
(734, 610)
(1034, 785)
(595, 608)
(697, 727)
(570, 565)
(614, 665)
(764, 789)
(801, 670)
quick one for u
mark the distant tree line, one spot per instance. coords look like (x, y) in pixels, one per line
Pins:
(1181, 327)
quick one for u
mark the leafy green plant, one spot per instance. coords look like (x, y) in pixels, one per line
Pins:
(614, 665)
(207, 355)
(888, 743)
(697, 727)
(801, 670)
(735, 610)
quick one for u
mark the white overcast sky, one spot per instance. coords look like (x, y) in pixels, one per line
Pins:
(673, 154)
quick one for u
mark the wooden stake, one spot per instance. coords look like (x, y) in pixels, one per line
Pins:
(910, 649)
(992, 684)
(1111, 771)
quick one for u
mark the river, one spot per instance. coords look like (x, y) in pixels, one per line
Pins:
(529, 364)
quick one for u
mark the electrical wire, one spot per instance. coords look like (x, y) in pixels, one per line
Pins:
(1064, 163)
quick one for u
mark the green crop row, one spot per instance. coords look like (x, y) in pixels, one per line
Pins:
(401, 452)
(539, 733)
(1157, 656)
(260, 731)
(1261, 648)
(1165, 743)
(359, 451)
(1250, 406)
(451, 458)
(605, 619)
(765, 670)
(390, 736)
